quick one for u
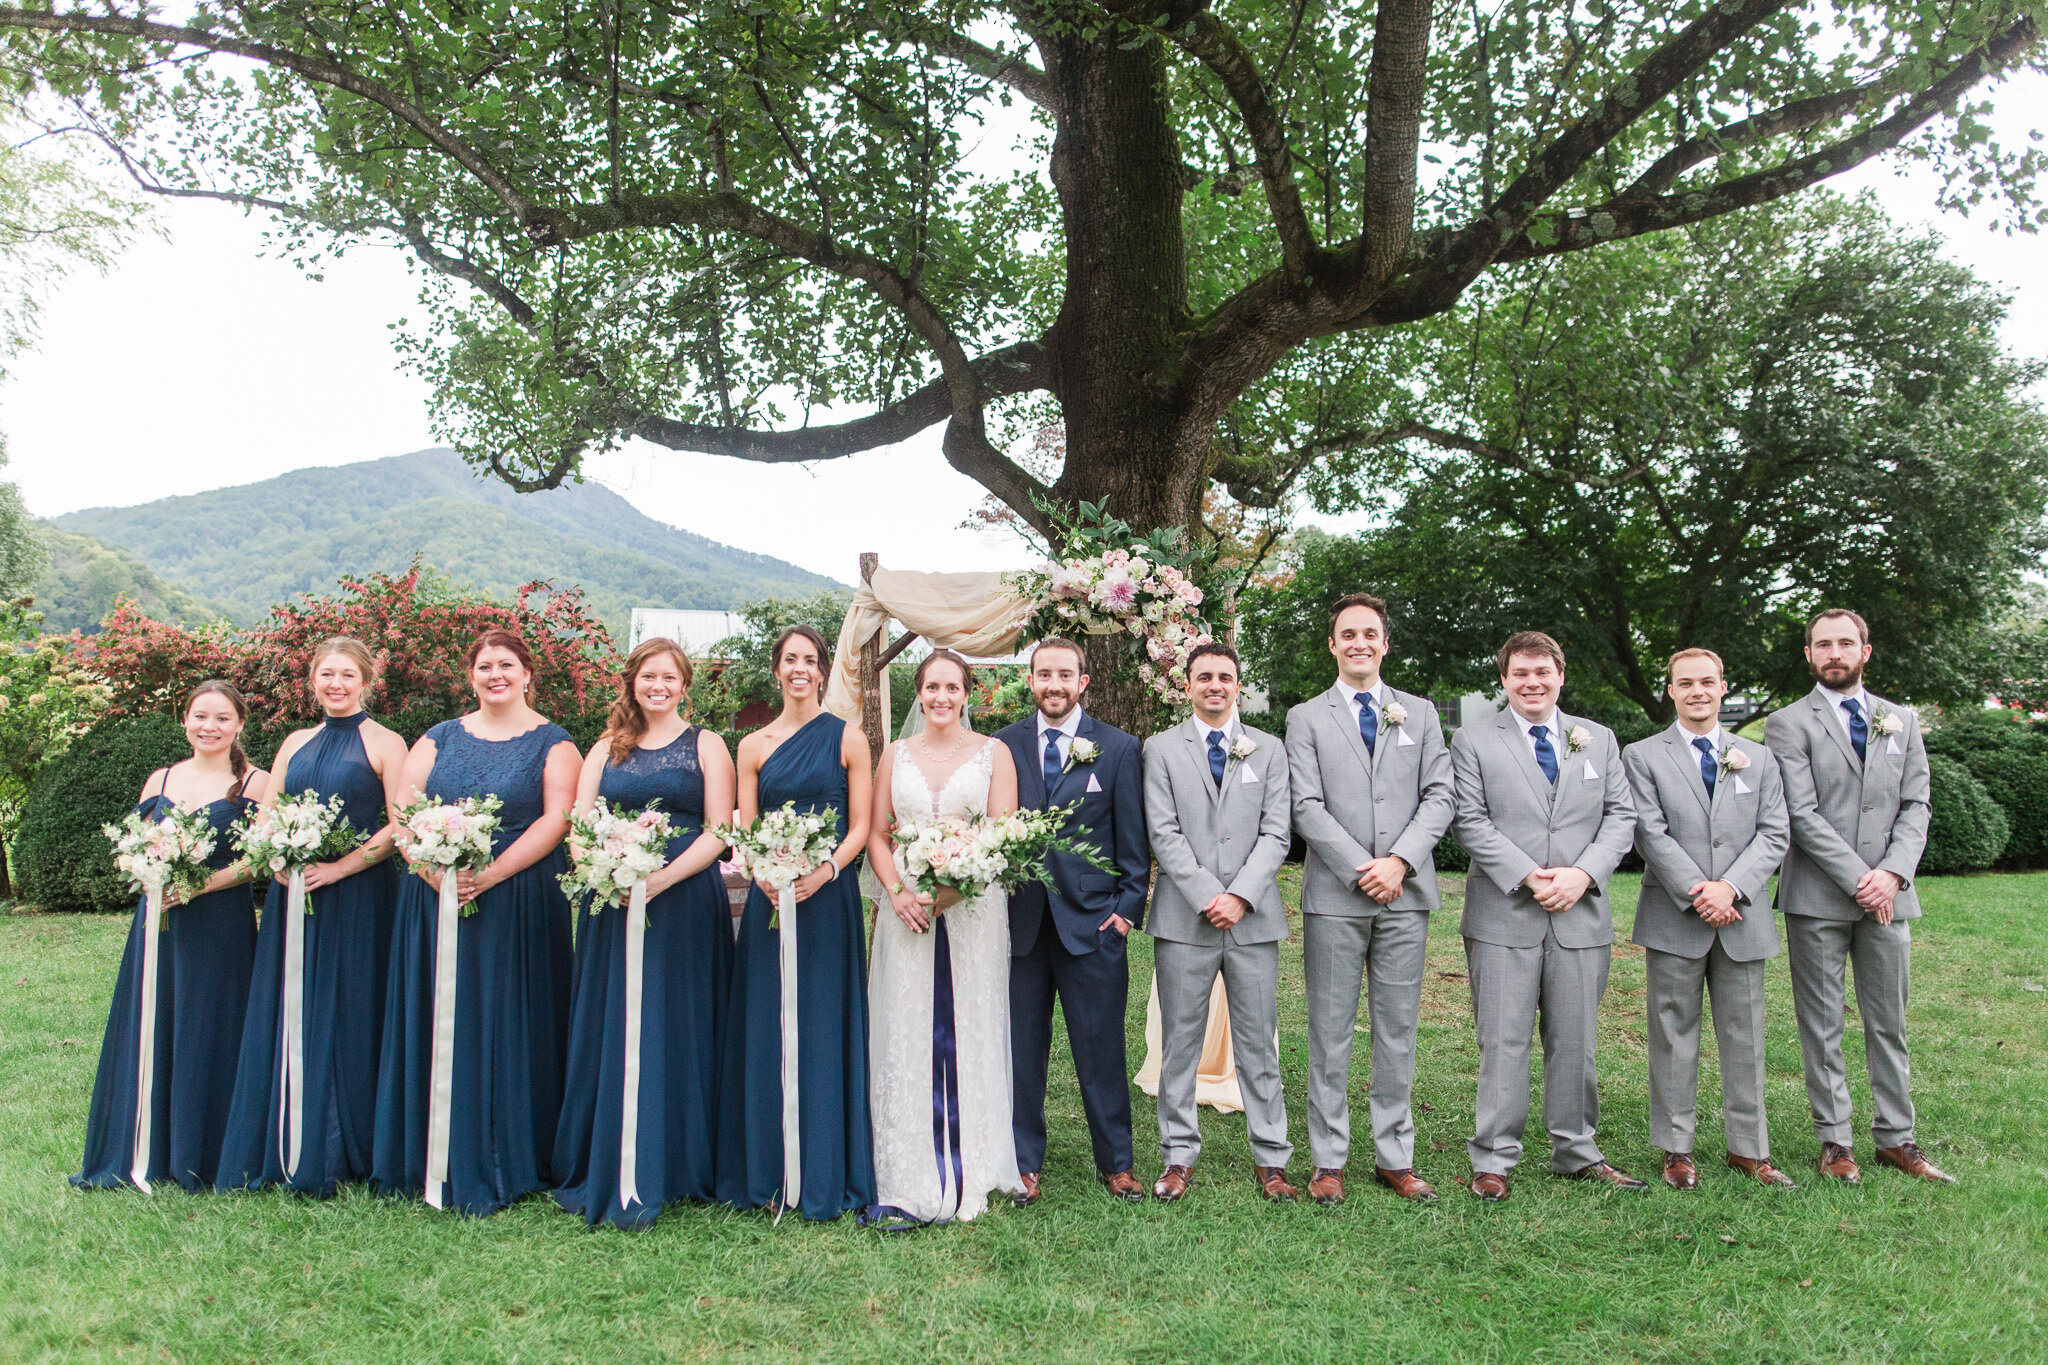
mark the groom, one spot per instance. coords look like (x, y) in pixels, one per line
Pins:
(1069, 940)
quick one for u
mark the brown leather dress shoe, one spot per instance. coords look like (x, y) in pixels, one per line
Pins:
(1489, 1187)
(1679, 1172)
(1123, 1185)
(1030, 1194)
(1171, 1185)
(1273, 1183)
(1909, 1158)
(1609, 1175)
(1326, 1186)
(1762, 1172)
(1837, 1163)
(1405, 1183)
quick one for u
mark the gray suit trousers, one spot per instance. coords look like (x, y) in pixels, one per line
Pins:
(1516, 991)
(1676, 987)
(1186, 973)
(1385, 952)
(1820, 951)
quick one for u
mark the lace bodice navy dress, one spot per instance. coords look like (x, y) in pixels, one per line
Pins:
(838, 1164)
(347, 953)
(203, 958)
(686, 966)
(511, 998)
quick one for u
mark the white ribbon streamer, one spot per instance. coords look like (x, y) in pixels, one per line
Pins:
(792, 1142)
(145, 1059)
(629, 1106)
(291, 1115)
(441, 1083)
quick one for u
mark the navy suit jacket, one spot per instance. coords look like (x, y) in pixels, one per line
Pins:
(1111, 817)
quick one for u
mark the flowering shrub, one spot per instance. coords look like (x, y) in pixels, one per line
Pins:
(47, 699)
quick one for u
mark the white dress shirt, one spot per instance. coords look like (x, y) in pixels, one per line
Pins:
(1066, 730)
(1859, 696)
(1549, 723)
(1686, 737)
(1378, 693)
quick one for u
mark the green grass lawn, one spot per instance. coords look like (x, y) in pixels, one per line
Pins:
(1894, 1270)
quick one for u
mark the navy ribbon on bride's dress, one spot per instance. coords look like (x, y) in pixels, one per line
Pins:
(945, 1092)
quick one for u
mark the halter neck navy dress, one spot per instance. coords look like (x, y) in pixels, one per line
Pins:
(686, 966)
(511, 997)
(348, 946)
(832, 1016)
(203, 958)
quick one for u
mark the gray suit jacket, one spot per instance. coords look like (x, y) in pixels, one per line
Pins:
(1848, 818)
(1352, 807)
(1512, 822)
(1738, 837)
(1208, 840)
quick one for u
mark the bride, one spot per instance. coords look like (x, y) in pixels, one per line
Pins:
(942, 1132)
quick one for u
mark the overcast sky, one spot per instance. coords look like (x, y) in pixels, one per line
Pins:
(197, 363)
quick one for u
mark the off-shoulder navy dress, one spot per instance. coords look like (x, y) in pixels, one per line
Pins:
(686, 965)
(511, 998)
(203, 958)
(832, 1017)
(348, 948)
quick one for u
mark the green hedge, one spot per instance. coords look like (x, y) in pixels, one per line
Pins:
(1968, 830)
(2010, 759)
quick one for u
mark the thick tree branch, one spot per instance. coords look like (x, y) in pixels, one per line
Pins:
(1797, 117)
(1398, 82)
(1006, 68)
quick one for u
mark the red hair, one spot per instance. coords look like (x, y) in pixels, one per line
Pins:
(627, 724)
(497, 637)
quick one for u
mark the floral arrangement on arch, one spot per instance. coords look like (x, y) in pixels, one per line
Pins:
(1111, 580)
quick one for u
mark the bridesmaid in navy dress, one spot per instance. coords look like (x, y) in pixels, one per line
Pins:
(649, 755)
(203, 959)
(820, 762)
(349, 908)
(513, 953)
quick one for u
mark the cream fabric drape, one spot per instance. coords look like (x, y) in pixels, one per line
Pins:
(975, 613)
(1216, 1073)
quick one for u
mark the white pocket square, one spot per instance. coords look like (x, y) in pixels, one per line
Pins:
(1891, 744)
(1249, 777)
(1406, 742)
(1592, 773)
(1740, 785)
(1093, 785)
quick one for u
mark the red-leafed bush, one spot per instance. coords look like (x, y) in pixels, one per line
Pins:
(419, 633)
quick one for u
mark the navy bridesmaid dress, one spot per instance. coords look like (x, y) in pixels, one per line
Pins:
(832, 1017)
(348, 946)
(686, 965)
(511, 998)
(204, 955)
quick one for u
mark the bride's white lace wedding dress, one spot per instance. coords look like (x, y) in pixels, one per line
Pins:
(900, 1010)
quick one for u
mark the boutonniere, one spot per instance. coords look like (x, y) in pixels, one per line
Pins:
(1243, 747)
(1395, 714)
(1577, 738)
(1081, 751)
(1732, 759)
(1885, 722)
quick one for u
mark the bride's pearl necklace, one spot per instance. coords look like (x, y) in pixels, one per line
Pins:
(925, 743)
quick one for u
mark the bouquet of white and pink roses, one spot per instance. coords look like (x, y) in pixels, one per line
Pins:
(970, 856)
(613, 851)
(296, 832)
(450, 836)
(167, 852)
(782, 846)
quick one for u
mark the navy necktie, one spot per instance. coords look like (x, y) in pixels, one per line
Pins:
(1368, 721)
(1707, 764)
(1052, 758)
(1216, 756)
(1546, 757)
(1859, 729)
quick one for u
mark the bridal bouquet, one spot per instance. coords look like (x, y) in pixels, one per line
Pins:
(449, 836)
(782, 846)
(970, 856)
(167, 852)
(295, 833)
(613, 851)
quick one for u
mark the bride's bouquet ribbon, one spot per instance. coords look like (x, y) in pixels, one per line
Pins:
(778, 849)
(169, 851)
(446, 838)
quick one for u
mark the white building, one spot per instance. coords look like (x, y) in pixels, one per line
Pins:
(695, 631)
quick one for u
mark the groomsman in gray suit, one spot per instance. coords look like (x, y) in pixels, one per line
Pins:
(1856, 787)
(1545, 811)
(1216, 808)
(1711, 826)
(1372, 795)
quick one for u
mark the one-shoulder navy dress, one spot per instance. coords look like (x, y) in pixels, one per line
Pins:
(832, 1016)
(203, 958)
(686, 966)
(511, 998)
(348, 948)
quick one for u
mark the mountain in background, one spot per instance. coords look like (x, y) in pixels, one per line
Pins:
(241, 550)
(85, 575)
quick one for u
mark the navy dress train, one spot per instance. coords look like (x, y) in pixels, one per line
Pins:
(832, 1016)
(203, 959)
(511, 998)
(686, 964)
(348, 946)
